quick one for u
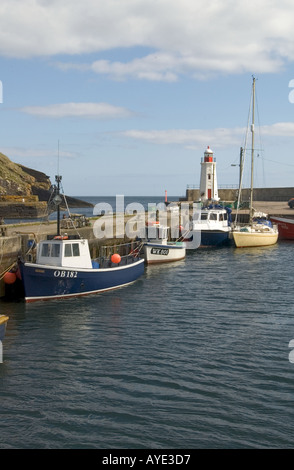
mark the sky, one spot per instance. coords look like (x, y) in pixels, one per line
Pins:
(124, 96)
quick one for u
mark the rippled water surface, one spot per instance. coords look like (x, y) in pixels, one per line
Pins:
(193, 355)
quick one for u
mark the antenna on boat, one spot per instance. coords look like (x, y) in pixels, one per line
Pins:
(57, 198)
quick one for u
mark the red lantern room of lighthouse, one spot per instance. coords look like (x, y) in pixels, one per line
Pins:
(208, 180)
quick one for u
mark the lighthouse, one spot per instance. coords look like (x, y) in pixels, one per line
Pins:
(208, 181)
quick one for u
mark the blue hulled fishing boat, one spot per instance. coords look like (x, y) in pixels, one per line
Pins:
(214, 225)
(64, 268)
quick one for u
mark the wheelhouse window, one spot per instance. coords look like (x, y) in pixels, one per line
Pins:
(67, 250)
(45, 250)
(50, 250)
(55, 251)
(71, 249)
(75, 249)
(204, 216)
(213, 216)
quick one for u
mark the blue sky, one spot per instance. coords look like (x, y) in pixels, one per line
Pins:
(133, 91)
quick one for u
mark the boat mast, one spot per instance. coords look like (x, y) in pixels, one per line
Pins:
(252, 152)
(58, 201)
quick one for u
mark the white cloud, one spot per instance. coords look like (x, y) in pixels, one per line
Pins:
(189, 138)
(153, 67)
(190, 37)
(279, 129)
(81, 110)
(218, 137)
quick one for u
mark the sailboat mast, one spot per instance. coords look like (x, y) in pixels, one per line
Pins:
(252, 150)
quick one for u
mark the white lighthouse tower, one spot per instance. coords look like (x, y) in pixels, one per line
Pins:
(208, 181)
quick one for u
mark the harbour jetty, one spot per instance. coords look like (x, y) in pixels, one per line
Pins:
(265, 195)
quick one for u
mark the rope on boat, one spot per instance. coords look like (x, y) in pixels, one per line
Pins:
(7, 269)
(183, 236)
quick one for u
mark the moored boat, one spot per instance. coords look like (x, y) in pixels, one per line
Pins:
(214, 225)
(285, 227)
(64, 268)
(255, 235)
(258, 232)
(157, 248)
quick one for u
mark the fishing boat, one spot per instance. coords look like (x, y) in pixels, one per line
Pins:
(64, 268)
(257, 232)
(285, 227)
(214, 225)
(157, 248)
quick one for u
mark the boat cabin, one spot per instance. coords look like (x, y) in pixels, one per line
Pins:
(157, 233)
(211, 218)
(64, 252)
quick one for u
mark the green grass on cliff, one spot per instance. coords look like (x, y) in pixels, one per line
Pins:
(13, 179)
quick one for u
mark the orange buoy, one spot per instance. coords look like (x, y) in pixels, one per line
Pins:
(116, 258)
(9, 278)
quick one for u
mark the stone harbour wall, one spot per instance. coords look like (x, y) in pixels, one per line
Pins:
(260, 194)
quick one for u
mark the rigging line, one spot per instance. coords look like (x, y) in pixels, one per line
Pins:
(274, 161)
(67, 208)
(243, 157)
(260, 141)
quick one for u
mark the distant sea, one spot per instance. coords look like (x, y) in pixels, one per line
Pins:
(113, 201)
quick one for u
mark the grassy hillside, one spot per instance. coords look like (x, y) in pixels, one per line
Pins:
(18, 180)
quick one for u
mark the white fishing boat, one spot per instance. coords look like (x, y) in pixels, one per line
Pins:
(157, 248)
(257, 232)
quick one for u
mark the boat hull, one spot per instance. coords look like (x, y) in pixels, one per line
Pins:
(158, 253)
(285, 227)
(3, 322)
(252, 239)
(210, 238)
(51, 282)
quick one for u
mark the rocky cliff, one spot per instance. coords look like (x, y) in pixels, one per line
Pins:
(18, 180)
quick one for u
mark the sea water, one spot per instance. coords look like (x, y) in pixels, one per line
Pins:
(193, 355)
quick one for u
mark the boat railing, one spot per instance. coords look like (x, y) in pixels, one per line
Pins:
(128, 252)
